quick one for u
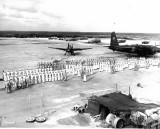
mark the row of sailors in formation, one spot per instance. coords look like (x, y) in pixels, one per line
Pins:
(55, 66)
(74, 69)
(122, 65)
(111, 68)
(96, 65)
(150, 60)
(31, 72)
(21, 82)
(142, 63)
(75, 62)
(26, 72)
(55, 74)
(79, 70)
(109, 60)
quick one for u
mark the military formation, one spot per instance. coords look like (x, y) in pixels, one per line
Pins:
(61, 70)
(25, 78)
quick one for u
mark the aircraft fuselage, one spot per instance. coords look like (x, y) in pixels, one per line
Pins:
(70, 51)
(140, 50)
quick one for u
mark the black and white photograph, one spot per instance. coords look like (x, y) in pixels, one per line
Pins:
(80, 64)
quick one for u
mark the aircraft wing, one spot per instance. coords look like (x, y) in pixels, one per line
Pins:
(125, 48)
(80, 49)
(64, 49)
(157, 49)
(121, 47)
(106, 46)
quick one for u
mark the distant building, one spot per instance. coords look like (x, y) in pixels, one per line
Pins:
(83, 38)
(71, 39)
(50, 38)
(95, 40)
(121, 41)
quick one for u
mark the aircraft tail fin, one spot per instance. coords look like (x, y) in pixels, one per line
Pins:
(114, 41)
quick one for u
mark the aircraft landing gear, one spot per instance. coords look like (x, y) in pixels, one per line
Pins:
(73, 54)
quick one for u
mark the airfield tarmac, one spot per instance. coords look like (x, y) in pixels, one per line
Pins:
(59, 97)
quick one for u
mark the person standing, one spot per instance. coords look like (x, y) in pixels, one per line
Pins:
(85, 77)
(35, 76)
(20, 82)
(5, 78)
(52, 76)
(43, 78)
(8, 87)
(27, 81)
(49, 76)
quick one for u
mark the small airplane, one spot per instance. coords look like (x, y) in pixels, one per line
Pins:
(140, 50)
(145, 42)
(121, 41)
(70, 49)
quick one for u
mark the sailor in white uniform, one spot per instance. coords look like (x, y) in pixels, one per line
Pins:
(46, 77)
(79, 72)
(85, 77)
(55, 75)
(35, 79)
(43, 78)
(59, 77)
(52, 74)
(49, 77)
(91, 70)
(5, 78)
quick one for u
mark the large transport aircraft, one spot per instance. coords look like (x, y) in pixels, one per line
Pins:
(70, 49)
(140, 50)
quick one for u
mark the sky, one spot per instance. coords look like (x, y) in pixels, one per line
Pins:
(81, 15)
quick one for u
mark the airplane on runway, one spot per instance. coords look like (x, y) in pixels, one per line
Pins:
(70, 49)
(140, 50)
(121, 41)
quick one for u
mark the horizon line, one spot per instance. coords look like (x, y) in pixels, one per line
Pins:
(77, 31)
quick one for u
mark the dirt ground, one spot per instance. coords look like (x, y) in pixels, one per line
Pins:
(59, 97)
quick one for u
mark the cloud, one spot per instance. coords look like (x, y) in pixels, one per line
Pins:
(31, 9)
(51, 15)
(81, 15)
(16, 15)
(2, 14)
(21, 5)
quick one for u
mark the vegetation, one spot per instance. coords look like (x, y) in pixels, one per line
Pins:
(47, 34)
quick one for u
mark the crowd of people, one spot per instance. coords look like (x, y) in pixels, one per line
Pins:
(25, 78)
(60, 70)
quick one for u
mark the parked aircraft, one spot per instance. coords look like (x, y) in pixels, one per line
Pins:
(121, 41)
(140, 50)
(70, 49)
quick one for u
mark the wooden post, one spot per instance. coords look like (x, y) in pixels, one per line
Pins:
(130, 93)
(42, 104)
(30, 105)
(0, 121)
(116, 88)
